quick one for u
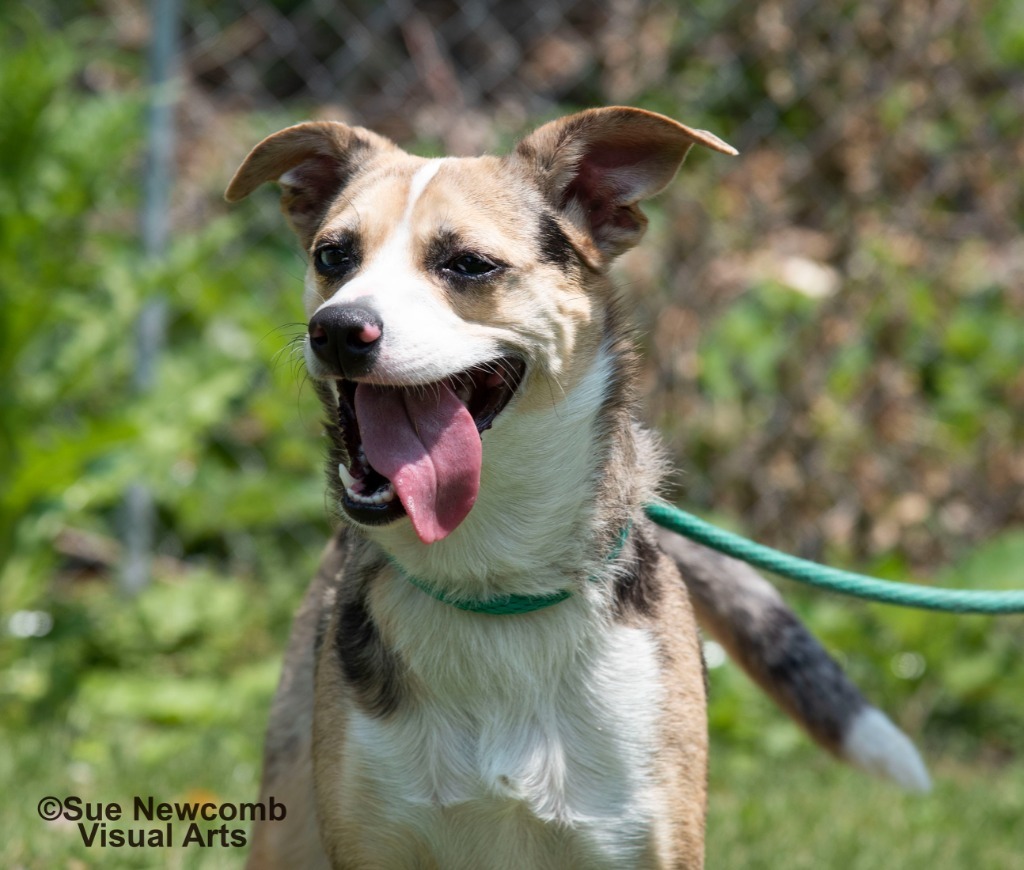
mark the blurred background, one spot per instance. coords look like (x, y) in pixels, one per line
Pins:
(832, 326)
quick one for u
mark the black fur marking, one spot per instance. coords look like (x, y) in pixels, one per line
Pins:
(373, 670)
(814, 684)
(442, 248)
(555, 247)
(767, 640)
(443, 254)
(704, 670)
(321, 630)
(637, 591)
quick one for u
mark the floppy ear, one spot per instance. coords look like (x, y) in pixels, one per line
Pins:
(312, 162)
(597, 165)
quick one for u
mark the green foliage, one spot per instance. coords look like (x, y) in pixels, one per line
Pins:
(52, 178)
(1004, 30)
(740, 357)
(168, 692)
(965, 359)
(75, 432)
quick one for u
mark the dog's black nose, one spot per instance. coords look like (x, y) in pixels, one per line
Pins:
(346, 338)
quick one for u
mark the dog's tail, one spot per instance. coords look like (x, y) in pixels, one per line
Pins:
(747, 615)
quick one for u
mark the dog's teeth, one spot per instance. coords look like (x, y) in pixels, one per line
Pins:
(346, 478)
(383, 497)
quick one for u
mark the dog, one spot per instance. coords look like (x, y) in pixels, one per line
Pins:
(498, 662)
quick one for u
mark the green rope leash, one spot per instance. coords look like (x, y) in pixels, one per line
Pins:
(846, 582)
(832, 579)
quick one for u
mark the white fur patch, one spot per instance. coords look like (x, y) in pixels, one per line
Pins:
(422, 177)
(521, 727)
(874, 744)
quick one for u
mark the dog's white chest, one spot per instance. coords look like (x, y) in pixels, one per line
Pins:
(549, 761)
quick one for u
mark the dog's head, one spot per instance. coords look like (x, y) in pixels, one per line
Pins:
(445, 295)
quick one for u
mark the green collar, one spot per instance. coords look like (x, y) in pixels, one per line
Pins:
(506, 605)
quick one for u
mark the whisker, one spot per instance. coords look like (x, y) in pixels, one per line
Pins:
(291, 343)
(293, 348)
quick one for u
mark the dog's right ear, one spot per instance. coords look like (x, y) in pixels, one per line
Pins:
(597, 166)
(312, 162)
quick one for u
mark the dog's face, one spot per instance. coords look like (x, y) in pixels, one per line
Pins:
(446, 296)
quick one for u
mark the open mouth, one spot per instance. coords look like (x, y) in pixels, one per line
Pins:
(415, 450)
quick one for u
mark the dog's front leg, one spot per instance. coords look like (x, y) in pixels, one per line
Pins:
(294, 841)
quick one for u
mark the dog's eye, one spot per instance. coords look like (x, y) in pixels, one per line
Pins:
(470, 266)
(332, 259)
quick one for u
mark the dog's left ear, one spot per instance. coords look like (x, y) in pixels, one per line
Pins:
(596, 166)
(311, 162)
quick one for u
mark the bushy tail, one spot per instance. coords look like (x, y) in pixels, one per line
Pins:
(747, 615)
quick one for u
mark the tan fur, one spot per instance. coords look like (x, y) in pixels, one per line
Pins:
(288, 758)
(684, 744)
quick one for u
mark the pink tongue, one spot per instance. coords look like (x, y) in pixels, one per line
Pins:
(425, 442)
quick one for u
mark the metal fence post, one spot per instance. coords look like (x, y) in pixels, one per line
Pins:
(139, 510)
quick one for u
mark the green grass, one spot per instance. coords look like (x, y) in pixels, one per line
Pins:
(801, 812)
(810, 813)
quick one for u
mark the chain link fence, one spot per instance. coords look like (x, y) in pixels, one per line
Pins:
(834, 321)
